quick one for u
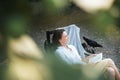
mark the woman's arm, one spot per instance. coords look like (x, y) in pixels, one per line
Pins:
(86, 59)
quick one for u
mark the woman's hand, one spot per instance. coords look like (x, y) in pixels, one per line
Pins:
(86, 59)
(92, 55)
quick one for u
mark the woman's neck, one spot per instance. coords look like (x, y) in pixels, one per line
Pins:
(66, 46)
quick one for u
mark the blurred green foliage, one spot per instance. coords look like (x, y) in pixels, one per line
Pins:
(54, 6)
(117, 5)
(103, 20)
(10, 7)
(14, 26)
(15, 15)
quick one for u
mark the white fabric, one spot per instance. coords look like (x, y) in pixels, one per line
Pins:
(74, 34)
(70, 56)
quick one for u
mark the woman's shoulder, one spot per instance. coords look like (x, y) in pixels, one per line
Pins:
(59, 49)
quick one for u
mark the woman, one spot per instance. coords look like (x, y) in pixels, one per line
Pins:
(69, 54)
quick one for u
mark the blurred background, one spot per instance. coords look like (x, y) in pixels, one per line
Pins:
(98, 20)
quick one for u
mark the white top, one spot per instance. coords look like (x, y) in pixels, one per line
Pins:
(69, 56)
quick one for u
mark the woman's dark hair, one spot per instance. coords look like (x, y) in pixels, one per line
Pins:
(57, 34)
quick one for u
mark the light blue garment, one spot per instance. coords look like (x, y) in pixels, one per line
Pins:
(74, 34)
(70, 56)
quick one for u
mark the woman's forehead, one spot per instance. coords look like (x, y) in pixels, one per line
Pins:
(64, 33)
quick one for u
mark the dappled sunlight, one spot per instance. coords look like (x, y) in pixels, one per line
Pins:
(24, 60)
(92, 6)
(23, 46)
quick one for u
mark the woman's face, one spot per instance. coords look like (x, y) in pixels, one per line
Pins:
(64, 38)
